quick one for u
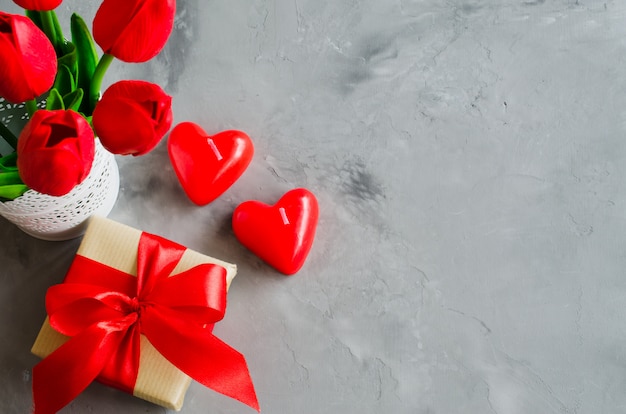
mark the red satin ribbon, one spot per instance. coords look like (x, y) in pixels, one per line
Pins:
(104, 311)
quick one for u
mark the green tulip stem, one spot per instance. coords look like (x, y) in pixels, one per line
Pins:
(8, 136)
(31, 107)
(49, 29)
(96, 81)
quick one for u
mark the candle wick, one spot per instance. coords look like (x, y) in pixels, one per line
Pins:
(215, 150)
(283, 215)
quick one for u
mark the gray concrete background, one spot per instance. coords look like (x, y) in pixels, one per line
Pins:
(469, 160)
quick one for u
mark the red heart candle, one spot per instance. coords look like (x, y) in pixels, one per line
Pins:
(205, 165)
(282, 234)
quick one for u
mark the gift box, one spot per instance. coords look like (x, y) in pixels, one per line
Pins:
(136, 312)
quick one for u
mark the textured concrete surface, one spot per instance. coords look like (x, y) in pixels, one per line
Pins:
(469, 160)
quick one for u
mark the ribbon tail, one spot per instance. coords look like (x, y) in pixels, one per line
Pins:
(64, 374)
(205, 358)
(224, 370)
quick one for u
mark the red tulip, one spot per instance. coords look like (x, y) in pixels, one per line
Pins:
(28, 59)
(39, 5)
(133, 30)
(55, 151)
(132, 117)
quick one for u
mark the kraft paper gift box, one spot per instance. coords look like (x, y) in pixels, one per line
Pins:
(115, 245)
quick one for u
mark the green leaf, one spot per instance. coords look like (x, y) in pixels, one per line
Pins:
(87, 56)
(64, 82)
(10, 178)
(8, 163)
(13, 191)
(67, 48)
(58, 31)
(54, 101)
(69, 58)
(73, 100)
(48, 27)
(11, 185)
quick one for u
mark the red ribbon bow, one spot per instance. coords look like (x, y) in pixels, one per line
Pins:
(106, 315)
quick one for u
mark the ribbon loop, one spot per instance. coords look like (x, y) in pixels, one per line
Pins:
(207, 301)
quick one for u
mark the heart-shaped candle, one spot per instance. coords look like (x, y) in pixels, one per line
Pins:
(282, 234)
(205, 165)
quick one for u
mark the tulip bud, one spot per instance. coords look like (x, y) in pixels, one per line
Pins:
(133, 30)
(132, 117)
(39, 5)
(55, 151)
(29, 63)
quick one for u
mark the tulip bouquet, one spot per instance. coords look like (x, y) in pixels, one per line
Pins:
(58, 83)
